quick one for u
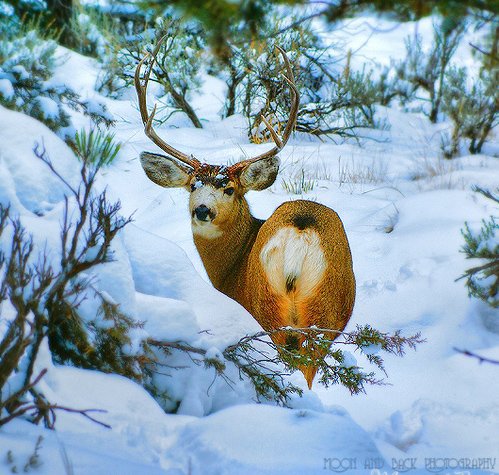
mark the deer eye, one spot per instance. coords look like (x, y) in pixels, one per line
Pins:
(229, 191)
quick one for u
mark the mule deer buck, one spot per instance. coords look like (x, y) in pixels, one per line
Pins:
(295, 268)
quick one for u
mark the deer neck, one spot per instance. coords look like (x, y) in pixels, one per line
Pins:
(225, 256)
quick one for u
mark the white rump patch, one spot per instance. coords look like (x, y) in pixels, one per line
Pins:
(294, 259)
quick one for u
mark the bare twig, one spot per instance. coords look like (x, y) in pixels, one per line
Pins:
(481, 359)
(52, 408)
(481, 50)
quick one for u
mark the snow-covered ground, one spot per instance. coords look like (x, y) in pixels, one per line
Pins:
(440, 408)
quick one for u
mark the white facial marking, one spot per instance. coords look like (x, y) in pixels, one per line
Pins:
(293, 255)
(210, 197)
(205, 229)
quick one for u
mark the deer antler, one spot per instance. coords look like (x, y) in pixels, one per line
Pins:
(147, 119)
(279, 142)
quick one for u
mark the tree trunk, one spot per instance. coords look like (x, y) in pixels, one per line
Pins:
(181, 102)
(234, 81)
(476, 147)
(179, 99)
(60, 13)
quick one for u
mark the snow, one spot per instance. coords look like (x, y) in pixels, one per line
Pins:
(218, 444)
(25, 178)
(21, 72)
(161, 269)
(48, 107)
(5, 9)
(95, 107)
(403, 209)
(6, 89)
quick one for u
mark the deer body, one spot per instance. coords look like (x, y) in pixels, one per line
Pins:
(292, 270)
(295, 269)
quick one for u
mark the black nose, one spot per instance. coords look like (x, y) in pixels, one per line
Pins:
(202, 212)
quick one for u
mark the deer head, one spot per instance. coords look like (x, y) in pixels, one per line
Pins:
(216, 191)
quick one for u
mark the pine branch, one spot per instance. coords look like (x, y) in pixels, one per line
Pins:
(266, 363)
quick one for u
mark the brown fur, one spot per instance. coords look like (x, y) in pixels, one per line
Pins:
(233, 264)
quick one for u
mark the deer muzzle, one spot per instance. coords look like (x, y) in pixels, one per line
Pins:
(203, 213)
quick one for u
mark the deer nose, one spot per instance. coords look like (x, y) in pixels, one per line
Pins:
(202, 212)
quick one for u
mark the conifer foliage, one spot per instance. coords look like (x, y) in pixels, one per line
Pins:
(482, 246)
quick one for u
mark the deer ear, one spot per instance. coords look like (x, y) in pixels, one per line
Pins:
(164, 171)
(260, 175)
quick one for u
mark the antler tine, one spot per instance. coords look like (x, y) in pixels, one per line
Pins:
(295, 97)
(148, 119)
(295, 103)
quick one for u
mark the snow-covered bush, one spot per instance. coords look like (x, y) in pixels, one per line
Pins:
(51, 16)
(483, 244)
(348, 103)
(110, 81)
(27, 65)
(178, 62)
(26, 9)
(473, 109)
(332, 100)
(253, 73)
(116, 26)
(388, 86)
(8, 19)
(91, 28)
(425, 70)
